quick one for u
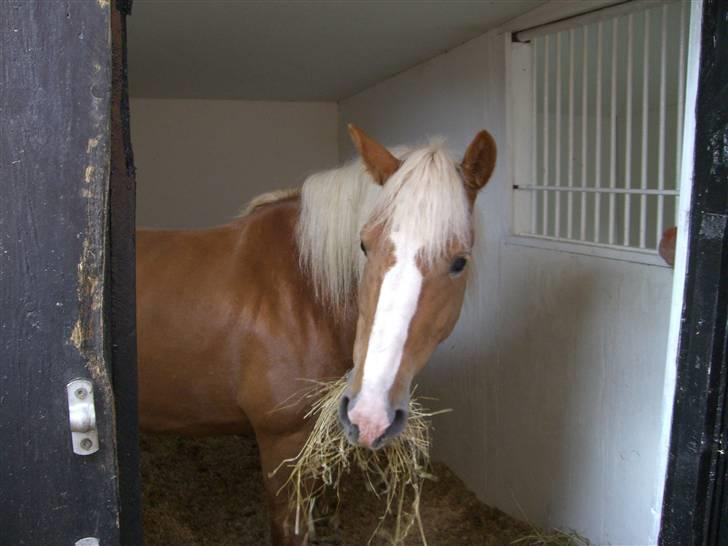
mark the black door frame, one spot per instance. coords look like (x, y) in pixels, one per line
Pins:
(121, 284)
(66, 275)
(695, 490)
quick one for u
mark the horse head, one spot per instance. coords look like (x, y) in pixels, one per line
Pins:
(417, 242)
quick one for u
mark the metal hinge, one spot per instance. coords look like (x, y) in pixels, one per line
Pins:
(82, 417)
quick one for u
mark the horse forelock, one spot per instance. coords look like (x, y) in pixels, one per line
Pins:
(425, 198)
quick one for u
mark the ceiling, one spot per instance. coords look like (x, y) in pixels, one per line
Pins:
(294, 50)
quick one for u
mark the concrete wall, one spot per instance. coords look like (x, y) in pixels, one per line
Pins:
(555, 371)
(199, 161)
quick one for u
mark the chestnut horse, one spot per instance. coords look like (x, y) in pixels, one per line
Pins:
(364, 268)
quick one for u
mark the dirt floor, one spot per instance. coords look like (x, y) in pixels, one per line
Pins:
(209, 492)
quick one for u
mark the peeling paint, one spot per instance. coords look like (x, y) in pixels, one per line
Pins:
(87, 335)
(77, 335)
(89, 173)
(92, 144)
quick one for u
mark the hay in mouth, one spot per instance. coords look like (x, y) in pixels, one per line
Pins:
(394, 473)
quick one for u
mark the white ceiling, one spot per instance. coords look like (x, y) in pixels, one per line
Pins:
(294, 49)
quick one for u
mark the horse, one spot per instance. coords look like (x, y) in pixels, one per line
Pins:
(361, 271)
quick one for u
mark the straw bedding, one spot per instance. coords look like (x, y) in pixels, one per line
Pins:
(209, 491)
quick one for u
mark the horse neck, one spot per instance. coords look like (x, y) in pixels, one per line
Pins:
(270, 230)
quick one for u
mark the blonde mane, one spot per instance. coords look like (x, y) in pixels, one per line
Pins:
(267, 199)
(425, 199)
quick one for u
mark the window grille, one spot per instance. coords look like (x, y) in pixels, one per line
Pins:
(598, 110)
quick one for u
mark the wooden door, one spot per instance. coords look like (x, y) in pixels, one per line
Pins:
(66, 277)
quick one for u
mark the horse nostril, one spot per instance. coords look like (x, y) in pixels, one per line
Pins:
(344, 410)
(350, 429)
(398, 423)
(395, 427)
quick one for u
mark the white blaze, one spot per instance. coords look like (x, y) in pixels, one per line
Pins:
(396, 306)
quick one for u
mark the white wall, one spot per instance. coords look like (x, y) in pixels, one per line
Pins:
(556, 373)
(199, 161)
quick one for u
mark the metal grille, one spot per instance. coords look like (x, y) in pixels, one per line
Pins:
(605, 130)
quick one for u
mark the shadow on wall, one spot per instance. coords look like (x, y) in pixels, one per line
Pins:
(533, 386)
(552, 385)
(543, 374)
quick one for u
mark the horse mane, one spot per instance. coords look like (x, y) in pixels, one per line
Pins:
(425, 198)
(267, 199)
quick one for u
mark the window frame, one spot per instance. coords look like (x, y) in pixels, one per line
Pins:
(519, 105)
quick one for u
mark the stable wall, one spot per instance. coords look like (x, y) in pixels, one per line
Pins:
(555, 369)
(199, 161)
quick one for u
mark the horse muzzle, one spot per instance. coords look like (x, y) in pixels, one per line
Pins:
(370, 425)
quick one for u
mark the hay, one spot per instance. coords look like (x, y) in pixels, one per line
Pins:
(395, 473)
(557, 537)
(540, 537)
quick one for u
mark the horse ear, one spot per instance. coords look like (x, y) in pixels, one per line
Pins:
(479, 162)
(380, 163)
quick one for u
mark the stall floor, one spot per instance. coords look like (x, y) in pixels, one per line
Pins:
(208, 492)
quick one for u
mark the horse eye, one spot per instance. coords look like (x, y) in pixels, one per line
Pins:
(458, 264)
(363, 248)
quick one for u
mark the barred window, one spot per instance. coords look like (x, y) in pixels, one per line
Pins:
(597, 119)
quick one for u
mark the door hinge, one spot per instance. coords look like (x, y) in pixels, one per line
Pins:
(82, 417)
